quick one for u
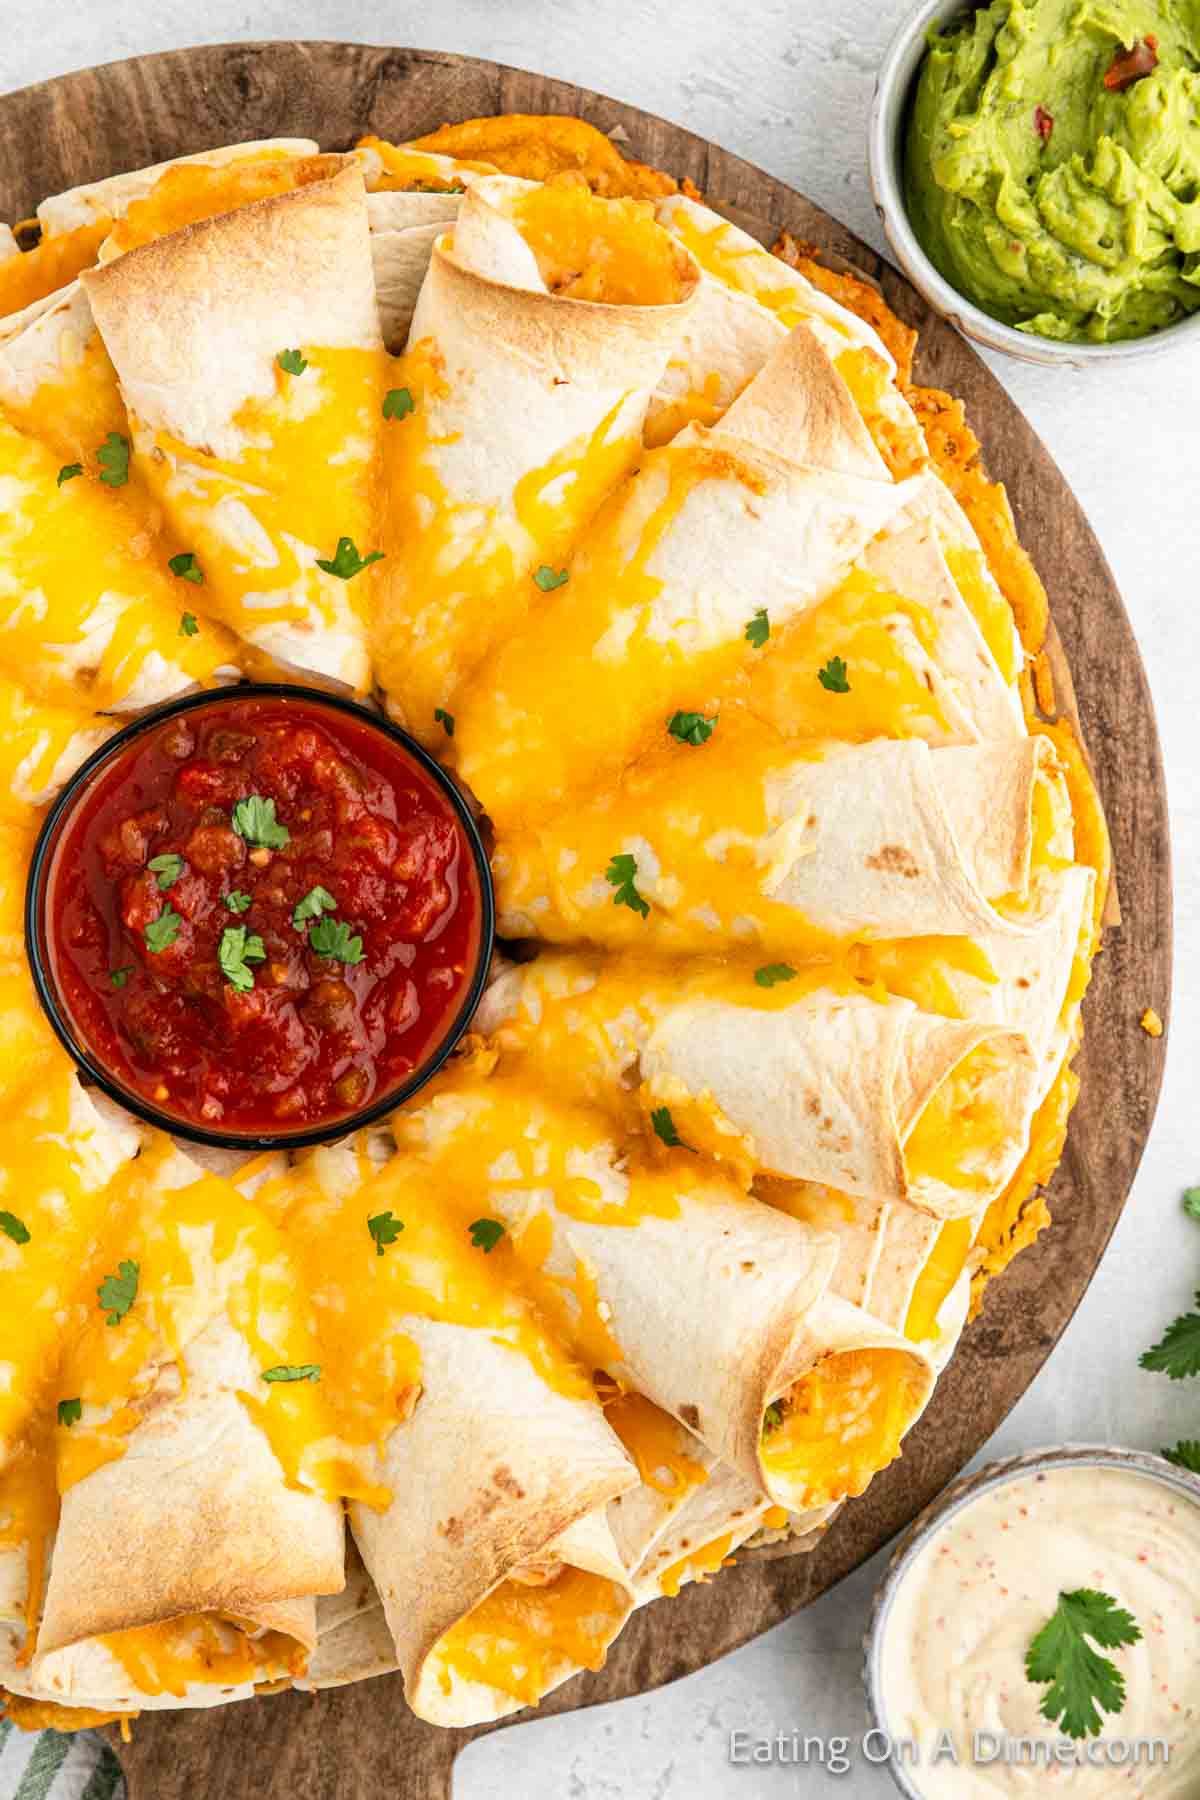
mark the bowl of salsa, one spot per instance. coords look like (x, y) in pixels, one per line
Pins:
(260, 917)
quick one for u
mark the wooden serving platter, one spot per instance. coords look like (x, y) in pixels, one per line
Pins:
(360, 1742)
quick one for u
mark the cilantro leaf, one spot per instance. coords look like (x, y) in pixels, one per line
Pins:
(237, 948)
(346, 563)
(444, 719)
(168, 868)
(691, 727)
(162, 932)
(332, 938)
(70, 1412)
(113, 457)
(547, 579)
(620, 874)
(1178, 1354)
(486, 1234)
(187, 567)
(1185, 1455)
(237, 902)
(14, 1228)
(397, 403)
(68, 472)
(291, 362)
(771, 973)
(772, 1418)
(833, 676)
(293, 1372)
(1191, 1202)
(118, 1292)
(119, 977)
(1083, 1684)
(759, 629)
(664, 1128)
(187, 625)
(254, 819)
(384, 1229)
(318, 900)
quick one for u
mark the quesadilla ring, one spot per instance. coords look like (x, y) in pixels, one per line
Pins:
(599, 574)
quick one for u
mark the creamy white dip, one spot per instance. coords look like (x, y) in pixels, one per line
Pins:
(952, 1656)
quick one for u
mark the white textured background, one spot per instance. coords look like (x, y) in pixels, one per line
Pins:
(788, 85)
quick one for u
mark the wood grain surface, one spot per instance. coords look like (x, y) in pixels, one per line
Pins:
(360, 1742)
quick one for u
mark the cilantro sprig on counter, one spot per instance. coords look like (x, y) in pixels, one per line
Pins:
(1082, 1683)
(1177, 1353)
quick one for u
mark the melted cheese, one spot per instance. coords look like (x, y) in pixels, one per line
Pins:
(653, 1438)
(189, 192)
(87, 607)
(963, 1126)
(735, 260)
(842, 1424)
(942, 1268)
(415, 171)
(200, 1650)
(988, 606)
(521, 1639)
(697, 1565)
(460, 573)
(611, 251)
(40, 748)
(304, 479)
(75, 405)
(49, 266)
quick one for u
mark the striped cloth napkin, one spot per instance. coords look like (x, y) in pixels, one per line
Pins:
(57, 1765)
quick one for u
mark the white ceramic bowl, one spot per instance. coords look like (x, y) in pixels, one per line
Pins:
(889, 118)
(953, 1499)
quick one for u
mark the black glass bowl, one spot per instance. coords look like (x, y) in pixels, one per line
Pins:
(41, 962)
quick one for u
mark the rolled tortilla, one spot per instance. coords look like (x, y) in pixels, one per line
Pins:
(603, 1244)
(413, 196)
(195, 1529)
(812, 1077)
(40, 748)
(55, 1176)
(484, 1460)
(262, 471)
(56, 380)
(85, 601)
(110, 198)
(527, 387)
(740, 841)
(677, 584)
(28, 1048)
(749, 298)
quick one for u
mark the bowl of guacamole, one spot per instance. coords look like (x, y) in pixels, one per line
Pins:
(1037, 168)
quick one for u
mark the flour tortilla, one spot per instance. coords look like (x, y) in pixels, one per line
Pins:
(113, 196)
(526, 378)
(194, 323)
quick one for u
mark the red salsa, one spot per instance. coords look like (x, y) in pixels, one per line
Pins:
(263, 915)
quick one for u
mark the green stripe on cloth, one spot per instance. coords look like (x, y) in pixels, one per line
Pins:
(49, 1755)
(106, 1776)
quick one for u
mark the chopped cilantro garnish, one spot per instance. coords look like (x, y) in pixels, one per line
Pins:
(620, 874)
(113, 457)
(293, 1372)
(291, 362)
(346, 563)
(162, 932)
(187, 625)
(237, 902)
(444, 719)
(318, 900)
(118, 977)
(70, 1412)
(486, 1234)
(548, 579)
(664, 1128)
(759, 629)
(118, 1292)
(833, 676)
(332, 938)
(237, 948)
(397, 403)
(254, 819)
(1083, 1684)
(772, 1418)
(384, 1229)
(14, 1228)
(187, 567)
(168, 868)
(691, 727)
(68, 472)
(770, 973)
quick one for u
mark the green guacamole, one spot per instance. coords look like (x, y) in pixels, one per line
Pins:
(1059, 204)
